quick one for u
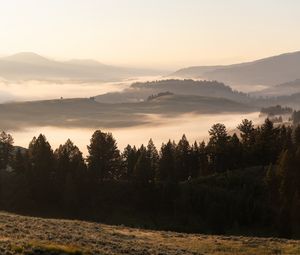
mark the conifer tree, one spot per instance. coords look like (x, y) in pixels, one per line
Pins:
(6, 149)
(166, 169)
(104, 160)
(182, 159)
(41, 163)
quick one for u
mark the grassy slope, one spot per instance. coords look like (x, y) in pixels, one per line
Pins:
(27, 235)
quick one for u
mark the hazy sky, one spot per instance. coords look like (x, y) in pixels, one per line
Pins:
(157, 33)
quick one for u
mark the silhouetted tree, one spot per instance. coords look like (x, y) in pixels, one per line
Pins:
(153, 158)
(166, 168)
(203, 159)
(296, 136)
(142, 171)
(6, 149)
(182, 159)
(70, 172)
(130, 158)
(217, 146)
(41, 163)
(104, 158)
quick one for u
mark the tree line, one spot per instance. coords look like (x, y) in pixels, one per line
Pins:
(244, 183)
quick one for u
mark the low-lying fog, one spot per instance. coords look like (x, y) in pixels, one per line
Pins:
(41, 90)
(194, 126)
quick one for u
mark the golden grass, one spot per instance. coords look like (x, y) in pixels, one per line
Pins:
(30, 236)
(55, 248)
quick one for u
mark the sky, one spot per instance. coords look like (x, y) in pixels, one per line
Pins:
(155, 33)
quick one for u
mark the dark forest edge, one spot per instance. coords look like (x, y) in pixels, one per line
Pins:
(246, 184)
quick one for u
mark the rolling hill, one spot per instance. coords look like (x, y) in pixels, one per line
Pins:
(142, 90)
(268, 71)
(284, 89)
(84, 112)
(31, 66)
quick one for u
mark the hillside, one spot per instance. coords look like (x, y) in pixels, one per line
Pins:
(83, 112)
(31, 66)
(140, 91)
(29, 235)
(284, 89)
(268, 71)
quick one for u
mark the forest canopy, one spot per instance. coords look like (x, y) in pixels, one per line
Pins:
(245, 183)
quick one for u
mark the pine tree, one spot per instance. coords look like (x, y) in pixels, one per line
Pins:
(70, 169)
(41, 163)
(195, 161)
(203, 159)
(130, 158)
(182, 159)
(104, 160)
(166, 168)
(153, 158)
(6, 149)
(266, 147)
(20, 162)
(247, 132)
(218, 146)
(143, 171)
(296, 136)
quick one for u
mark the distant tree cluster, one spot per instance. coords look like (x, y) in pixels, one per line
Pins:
(276, 110)
(167, 93)
(242, 183)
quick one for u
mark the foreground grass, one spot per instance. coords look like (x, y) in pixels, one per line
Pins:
(28, 235)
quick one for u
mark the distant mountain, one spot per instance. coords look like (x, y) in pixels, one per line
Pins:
(268, 71)
(31, 66)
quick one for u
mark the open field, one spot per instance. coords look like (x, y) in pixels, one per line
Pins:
(29, 235)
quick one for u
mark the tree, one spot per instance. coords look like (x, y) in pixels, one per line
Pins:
(70, 172)
(41, 163)
(6, 149)
(296, 136)
(217, 146)
(142, 171)
(195, 161)
(203, 159)
(166, 168)
(234, 152)
(20, 162)
(285, 138)
(104, 160)
(247, 132)
(267, 148)
(69, 160)
(182, 159)
(130, 158)
(153, 158)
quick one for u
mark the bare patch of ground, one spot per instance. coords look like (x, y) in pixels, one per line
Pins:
(29, 235)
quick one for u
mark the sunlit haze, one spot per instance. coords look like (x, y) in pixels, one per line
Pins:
(158, 33)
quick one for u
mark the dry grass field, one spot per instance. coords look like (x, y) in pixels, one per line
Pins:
(29, 235)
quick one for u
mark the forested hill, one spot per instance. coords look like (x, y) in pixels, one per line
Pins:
(142, 90)
(242, 185)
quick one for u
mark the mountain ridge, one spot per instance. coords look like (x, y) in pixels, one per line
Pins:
(267, 71)
(32, 66)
